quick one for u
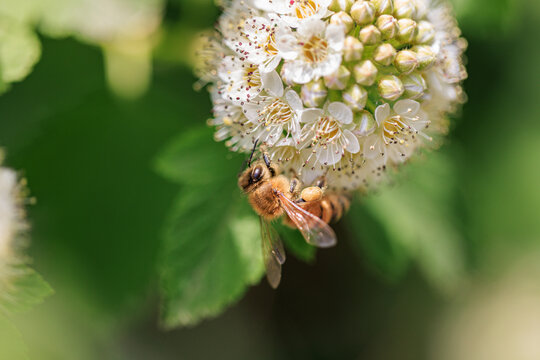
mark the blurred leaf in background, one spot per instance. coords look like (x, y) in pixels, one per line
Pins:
(417, 221)
(125, 29)
(211, 252)
(20, 50)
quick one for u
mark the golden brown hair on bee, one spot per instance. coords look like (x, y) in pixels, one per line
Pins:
(259, 182)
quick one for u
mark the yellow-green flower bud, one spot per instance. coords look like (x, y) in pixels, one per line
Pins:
(383, 6)
(352, 49)
(414, 84)
(404, 9)
(314, 93)
(407, 30)
(365, 123)
(406, 61)
(388, 26)
(341, 5)
(390, 87)
(343, 19)
(365, 73)
(370, 35)
(426, 32)
(384, 54)
(339, 79)
(355, 97)
(425, 55)
(363, 12)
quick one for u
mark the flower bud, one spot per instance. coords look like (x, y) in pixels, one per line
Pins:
(339, 79)
(285, 79)
(384, 54)
(355, 97)
(407, 30)
(404, 9)
(343, 19)
(363, 12)
(314, 93)
(365, 73)
(370, 35)
(388, 26)
(365, 123)
(390, 87)
(341, 5)
(352, 49)
(425, 55)
(406, 61)
(383, 6)
(426, 32)
(414, 85)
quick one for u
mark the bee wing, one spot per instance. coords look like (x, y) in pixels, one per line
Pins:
(315, 231)
(273, 253)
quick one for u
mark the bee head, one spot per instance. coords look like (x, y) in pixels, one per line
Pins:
(255, 175)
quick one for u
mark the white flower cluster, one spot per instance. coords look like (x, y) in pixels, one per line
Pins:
(12, 225)
(339, 88)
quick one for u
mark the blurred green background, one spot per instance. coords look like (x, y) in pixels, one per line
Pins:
(443, 264)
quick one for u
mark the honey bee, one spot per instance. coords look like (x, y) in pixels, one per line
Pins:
(273, 195)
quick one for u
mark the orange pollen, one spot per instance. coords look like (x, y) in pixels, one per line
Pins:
(306, 8)
(393, 128)
(277, 112)
(270, 46)
(316, 49)
(252, 77)
(327, 129)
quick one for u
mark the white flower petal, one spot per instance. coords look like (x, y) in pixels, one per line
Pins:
(311, 115)
(382, 113)
(272, 83)
(270, 64)
(353, 145)
(311, 27)
(335, 36)
(287, 46)
(341, 112)
(251, 112)
(329, 156)
(408, 108)
(372, 146)
(294, 100)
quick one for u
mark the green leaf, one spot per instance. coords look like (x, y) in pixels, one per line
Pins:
(418, 219)
(212, 250)
(24, 288)
(195, 158)
(20, 49)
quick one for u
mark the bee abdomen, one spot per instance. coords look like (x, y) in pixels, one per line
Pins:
(337, 206)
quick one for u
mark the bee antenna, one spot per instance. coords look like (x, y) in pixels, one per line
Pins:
(253, 152)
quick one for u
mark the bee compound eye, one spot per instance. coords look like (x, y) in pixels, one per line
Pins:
(257, 174)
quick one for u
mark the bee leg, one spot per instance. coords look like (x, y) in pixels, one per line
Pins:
(268, 163)
(295, 186)
(321, 182)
